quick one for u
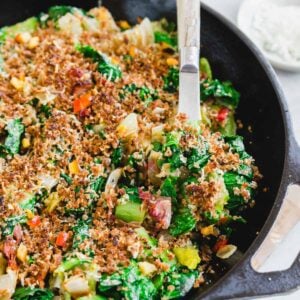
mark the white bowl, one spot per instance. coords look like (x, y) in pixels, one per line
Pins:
(244, 21)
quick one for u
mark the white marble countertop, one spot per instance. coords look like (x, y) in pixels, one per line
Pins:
(287, 251)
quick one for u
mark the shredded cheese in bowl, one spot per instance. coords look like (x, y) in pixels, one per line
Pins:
(277, 30)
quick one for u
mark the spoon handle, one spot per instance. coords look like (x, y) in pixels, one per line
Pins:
(188, 15)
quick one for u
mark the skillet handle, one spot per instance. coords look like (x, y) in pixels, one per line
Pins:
(244, 280)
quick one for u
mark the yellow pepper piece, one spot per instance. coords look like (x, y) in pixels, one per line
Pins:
(22, 253)
(114, 60)
(23, 37)
(188, 257)
(26, 143)
(52, 201)
(74, 167)
(18, 84)
(123, 25)
(29, 214)
(33, 42)
(121, 130)
(208, 230)
(171, 61)
(3, 264)
(165, 46)
(132, 51)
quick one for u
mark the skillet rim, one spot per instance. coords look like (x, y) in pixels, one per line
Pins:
(288, 147)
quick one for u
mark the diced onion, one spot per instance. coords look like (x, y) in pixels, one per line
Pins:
(113, 179)
(128, 128)
(8, 284)
(226, 251)
(70, 24)
(147, 268)
(3, 264)
(105, 20)
(140, 35)
(77, 286)
(157, 134)
(47, 181)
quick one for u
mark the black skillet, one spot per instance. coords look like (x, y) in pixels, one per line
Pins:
(263, 107)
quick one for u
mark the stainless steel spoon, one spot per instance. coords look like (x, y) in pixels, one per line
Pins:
(188, 16)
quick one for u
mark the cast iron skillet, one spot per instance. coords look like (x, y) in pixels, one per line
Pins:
(271, 142)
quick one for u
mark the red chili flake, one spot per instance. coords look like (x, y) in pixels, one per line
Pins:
(222, 114)
(220, 244)
(61, 239)
(34, 222)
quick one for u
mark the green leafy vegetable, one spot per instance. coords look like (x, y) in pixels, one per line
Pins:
(29, 204)
(67, 178)
(46, 110)
(246, 171)
(222, 91)
(98, 184)
(3, 151)
(168, 26)
(58, 11)
(127, 89)
(141, 232)
(34, 102)
(176, 159)
(11, 223)
(105, 67)
(29, 293)
(92, 297)
(130, 282)
(237, 145)
(29, 25)
(3, 35)
(171, 80)
(183, 221)
(171, 140)
(116, 156)
(230, 126)
(168, 188)
(205, 68)
(147, 95)
(81, 232)
(197, 159)
(76, 212)
(130, 212)
(144, 93)
(165, 37)
(15, 129)
(142, 289)
(157, 146)
(234, 180)
(178, 284)
(133, 194)
(109, 281)
(71, 263)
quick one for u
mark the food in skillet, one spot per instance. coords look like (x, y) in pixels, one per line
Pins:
(105, 192)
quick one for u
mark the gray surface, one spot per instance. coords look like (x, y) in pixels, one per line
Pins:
(288, 249)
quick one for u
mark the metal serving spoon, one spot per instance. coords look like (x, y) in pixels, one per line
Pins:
(188, 16)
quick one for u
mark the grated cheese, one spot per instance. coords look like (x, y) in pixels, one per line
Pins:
(276, 28)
